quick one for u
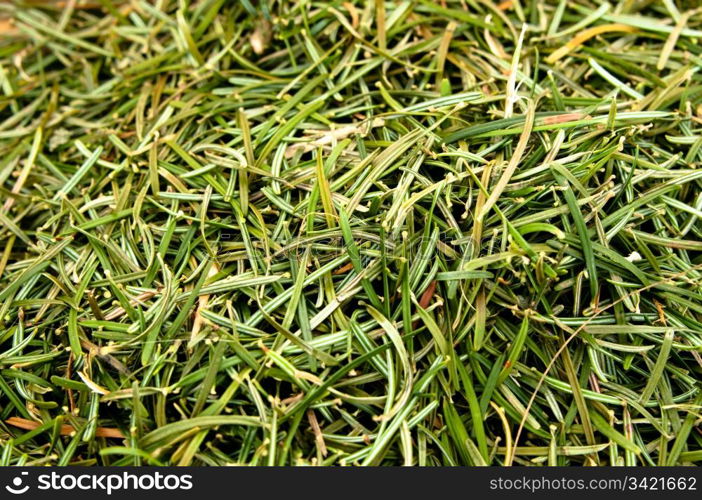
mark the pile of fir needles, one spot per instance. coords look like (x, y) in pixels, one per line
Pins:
(422, 232)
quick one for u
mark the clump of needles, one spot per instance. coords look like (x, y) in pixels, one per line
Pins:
(402, 232)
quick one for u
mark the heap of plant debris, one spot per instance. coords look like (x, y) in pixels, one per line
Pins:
(421, 232)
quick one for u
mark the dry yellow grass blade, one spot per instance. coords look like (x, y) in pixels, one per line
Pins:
(585, 35)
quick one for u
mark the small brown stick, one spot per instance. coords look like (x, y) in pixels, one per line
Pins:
(66, 430)
(318, 437)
